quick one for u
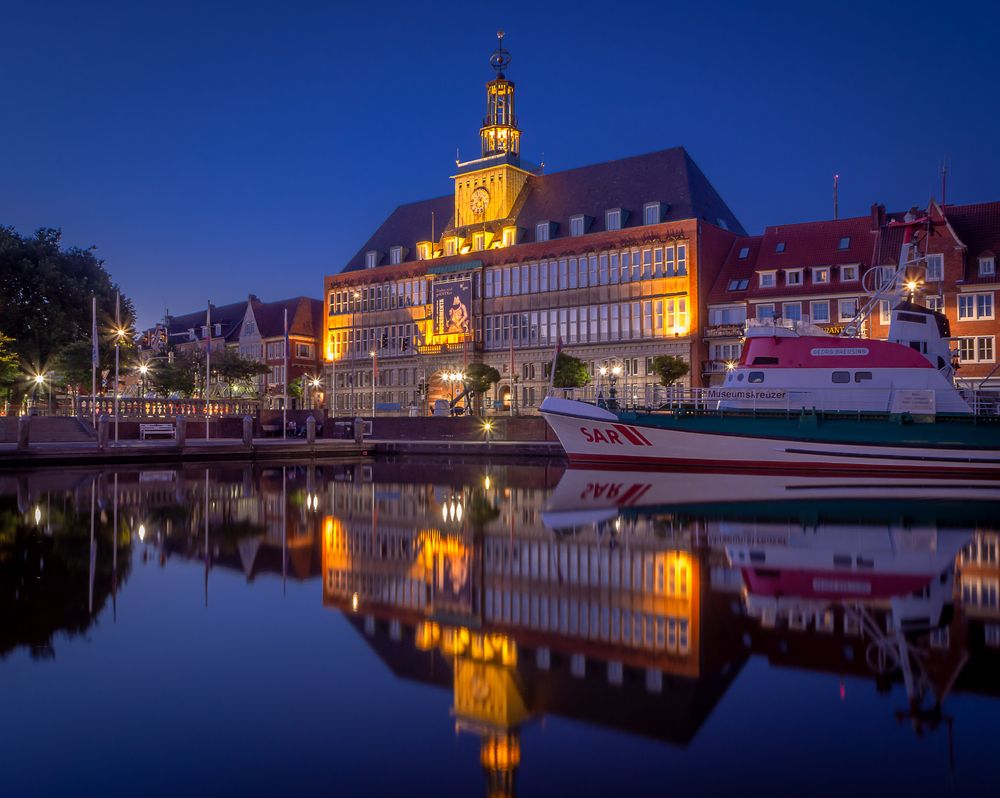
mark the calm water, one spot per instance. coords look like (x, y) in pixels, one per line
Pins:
(433, 628)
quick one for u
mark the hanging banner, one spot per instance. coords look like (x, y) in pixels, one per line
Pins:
(452, 307)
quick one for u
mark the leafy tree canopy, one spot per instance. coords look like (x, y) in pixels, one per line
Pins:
(45, 297)
(237, 375)
(10, 370)
(177, 378)
(571, 372)
(479, 377)
(670, 368)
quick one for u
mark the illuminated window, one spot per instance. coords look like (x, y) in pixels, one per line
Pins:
(935, 268)
(651, 213)
(423, 250)
(542, 231)
(576, 226)
(613, 219)
(509, 236)
(478, 242)
(395, 255)
(371, 259)
(821, 275)
(884, 311)
(451, 246)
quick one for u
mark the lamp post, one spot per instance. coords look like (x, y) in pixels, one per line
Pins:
(353, 350)
(120, 333)
(40, 380)
(143, 371)
(374, 355)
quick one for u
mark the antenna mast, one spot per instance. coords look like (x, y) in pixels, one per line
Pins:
(836, 203)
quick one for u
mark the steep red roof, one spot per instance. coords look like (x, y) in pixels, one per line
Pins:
(978, 227)
(735, 270)
(305, 317)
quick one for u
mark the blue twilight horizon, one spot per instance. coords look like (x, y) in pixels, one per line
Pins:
(213, 150)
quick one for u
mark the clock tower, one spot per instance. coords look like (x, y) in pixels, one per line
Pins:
(487, 188)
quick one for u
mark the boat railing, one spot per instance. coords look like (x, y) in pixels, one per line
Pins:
(984, 403)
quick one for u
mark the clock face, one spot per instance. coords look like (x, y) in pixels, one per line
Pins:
(480, 200)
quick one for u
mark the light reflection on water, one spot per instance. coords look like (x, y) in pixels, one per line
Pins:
(566, 620)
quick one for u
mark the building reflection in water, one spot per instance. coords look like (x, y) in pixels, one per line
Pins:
(630, 601)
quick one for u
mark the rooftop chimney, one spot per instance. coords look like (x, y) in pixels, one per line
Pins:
(878, 215)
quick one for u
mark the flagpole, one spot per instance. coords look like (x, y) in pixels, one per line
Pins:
(374, 378)
(284, 398)
(208, 363)
(118, 340)
(94, 361)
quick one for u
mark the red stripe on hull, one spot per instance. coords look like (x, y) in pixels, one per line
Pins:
(941, 470)
(831, 584)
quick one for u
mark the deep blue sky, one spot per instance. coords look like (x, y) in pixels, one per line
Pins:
(216, 149)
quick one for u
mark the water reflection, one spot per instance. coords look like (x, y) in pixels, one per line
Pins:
(630, 601)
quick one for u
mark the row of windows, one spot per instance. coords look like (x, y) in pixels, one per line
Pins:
(820, 310)
(614, 322)
(276, 349)
(605, 268)
(384, 296)
(391, 339)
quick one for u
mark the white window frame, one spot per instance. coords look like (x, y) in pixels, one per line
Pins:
(576, 225)
(884, 311)
(977, 348)
(987, 267)
(812, 311)
(934, 302)
(784, 310)
(652, 208)
(371, 259)
(770, 282)
(423, 251)
(797, 273)
(395, 255)
(975, 316)
(840, 309)
(478, 242)
(451, 246)
(937, 274)
(542, 230)
(758, 307)
(613, 219)
(849, 273)
(509, 236)
(819, 272)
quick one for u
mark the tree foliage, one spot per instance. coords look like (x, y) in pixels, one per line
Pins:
(45, 298)
(177, 378)
(670, 368)
(236, 375)
(10, 369)
(571, 372)
(479, 378)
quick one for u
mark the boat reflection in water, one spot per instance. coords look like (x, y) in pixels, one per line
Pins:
(616, 606)
(629, 601)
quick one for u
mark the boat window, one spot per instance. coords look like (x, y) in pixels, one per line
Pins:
(765, 361)
(842, 560)
(861, 376)
(841, 376)
(756, 376)
(865, 562)
(915, 318)
(757, 556)
(739, 377)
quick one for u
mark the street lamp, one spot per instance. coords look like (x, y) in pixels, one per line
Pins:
(119, 333)
(40, 380)
(374, 356)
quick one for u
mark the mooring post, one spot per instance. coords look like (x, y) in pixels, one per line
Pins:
(247, 432)
(180, 431)
(23, 432)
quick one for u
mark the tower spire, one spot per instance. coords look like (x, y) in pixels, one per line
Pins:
(499, 133)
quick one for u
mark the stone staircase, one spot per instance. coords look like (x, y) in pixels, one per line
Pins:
(48, 429)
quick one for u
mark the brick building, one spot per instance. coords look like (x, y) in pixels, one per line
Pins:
(824, 271)
(615, 260)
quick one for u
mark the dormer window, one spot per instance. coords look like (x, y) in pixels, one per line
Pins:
(576, 225)
(779, 247)
(395, 255)
(613, 219)
(848, 274)
(371, 259)
(218, 329)
(987, 266)
(651, 213)
(451, 246)
(509, 236)
(542, 231)
(821, 275)
(744, 251)
(793, 277)
(768, 279)
(845, 242)
(423, 250)
(478, 242)
(204, 331)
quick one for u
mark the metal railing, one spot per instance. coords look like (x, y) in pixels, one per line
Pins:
(984, 403)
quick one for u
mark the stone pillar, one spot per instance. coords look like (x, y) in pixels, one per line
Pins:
(311, 430)
(359, 430)
(23, 432)
(180, 431)
(247, 432)
(103, 428)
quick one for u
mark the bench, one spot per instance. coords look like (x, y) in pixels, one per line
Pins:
(147, 430)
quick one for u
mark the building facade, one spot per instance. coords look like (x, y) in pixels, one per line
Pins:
(825, 272)
(612, 261)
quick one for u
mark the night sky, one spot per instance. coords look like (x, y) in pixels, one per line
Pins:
(210, 150)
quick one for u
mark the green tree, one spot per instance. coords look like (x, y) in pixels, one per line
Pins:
(45, 298)
(479, 378)
(571, 372)
(10, 368)
(175, 378)
(236, 375)
(670, 368)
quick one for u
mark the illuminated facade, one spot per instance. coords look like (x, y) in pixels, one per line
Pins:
(614, 260)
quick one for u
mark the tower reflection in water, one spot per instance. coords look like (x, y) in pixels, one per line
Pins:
(633, 600)
(629, 601)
